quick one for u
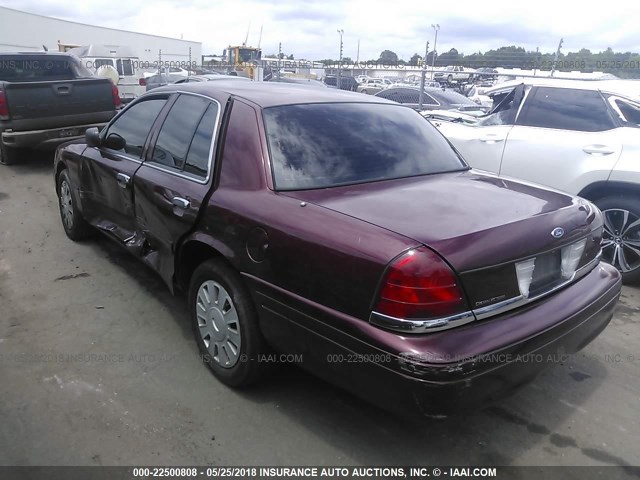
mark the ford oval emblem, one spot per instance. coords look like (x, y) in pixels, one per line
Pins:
(557, 232)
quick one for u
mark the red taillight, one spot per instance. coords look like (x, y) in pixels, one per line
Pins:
(419, 284)
(4, 109)
(116, 95)
(142, 82)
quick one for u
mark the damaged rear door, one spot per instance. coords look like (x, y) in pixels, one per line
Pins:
(174, 179)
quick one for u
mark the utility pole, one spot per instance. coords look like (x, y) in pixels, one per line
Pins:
(535, 62)
(555, 60)
(436, 27)
(423, 76)
(357, 58)
(279, 57)
(340, 32)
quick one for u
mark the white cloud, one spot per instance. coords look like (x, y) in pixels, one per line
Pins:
(309, 29)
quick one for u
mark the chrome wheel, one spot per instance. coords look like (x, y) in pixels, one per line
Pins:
(621, 239)
(66, 205)
(218, 323)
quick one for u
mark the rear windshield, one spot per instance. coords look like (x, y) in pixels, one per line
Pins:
(452, 98)
(326, 145)
(35, 68)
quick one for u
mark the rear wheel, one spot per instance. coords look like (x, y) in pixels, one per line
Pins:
(8, 155)
(225, 324)
(621, 239)
(75, 226)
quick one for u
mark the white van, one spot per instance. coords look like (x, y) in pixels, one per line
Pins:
(120, 59)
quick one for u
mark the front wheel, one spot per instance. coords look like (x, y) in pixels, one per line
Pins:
(225, 324)
(621, 239)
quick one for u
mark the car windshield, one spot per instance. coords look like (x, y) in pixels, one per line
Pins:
(327, 145)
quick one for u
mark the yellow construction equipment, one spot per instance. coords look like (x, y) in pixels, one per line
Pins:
(244, 59)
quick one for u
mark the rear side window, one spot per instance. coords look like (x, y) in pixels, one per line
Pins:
(178, 130)
(135, 123)
(327, 145)
(198, 157)
(186, 136)
(125, 67)
(566, 109)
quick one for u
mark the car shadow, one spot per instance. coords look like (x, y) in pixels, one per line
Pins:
(31, 162)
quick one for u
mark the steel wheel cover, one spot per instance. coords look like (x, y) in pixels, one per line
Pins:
(218, 323)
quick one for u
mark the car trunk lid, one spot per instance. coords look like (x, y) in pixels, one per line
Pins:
(481, 224)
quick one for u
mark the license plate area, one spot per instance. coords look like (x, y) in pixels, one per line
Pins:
(547, 272)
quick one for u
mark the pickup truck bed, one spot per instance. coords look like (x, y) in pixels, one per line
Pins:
(46, 99)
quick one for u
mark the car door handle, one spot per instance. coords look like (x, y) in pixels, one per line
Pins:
(181, 202)
(491, 138)
(598, 149)
(123, 180)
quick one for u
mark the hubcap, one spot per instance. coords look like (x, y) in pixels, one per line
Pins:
(66, 207)
(218, 323)
(621, 239)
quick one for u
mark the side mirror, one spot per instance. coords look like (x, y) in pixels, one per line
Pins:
(114, 142)
(92, 137)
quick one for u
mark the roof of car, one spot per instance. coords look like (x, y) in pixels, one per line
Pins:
(267, 94)
(623, 87)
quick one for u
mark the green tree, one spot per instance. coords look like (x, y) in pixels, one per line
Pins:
(388, 57)
(415, 59)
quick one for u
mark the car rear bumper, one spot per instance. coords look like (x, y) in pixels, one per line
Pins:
(47, 137)
(460, 369)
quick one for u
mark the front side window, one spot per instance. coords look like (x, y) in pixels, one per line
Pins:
(134, 124)
(332, 144)
(566, 109)
(186, 135)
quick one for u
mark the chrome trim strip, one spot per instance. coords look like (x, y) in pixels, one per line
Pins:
(418, 325)
(445, 323)
(515, 302)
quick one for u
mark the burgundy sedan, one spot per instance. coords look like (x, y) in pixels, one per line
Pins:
(344, 229)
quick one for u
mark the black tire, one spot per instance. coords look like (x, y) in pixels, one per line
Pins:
(614, 208)
(8, 155)
(75, 226)
(450, 78)
(247, 368)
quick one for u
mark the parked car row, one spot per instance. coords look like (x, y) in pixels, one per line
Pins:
(288, 215)
(432, 99)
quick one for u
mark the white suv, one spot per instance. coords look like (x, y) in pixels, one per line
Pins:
(582, 137)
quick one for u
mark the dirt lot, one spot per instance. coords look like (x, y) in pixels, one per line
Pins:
(98, 367)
